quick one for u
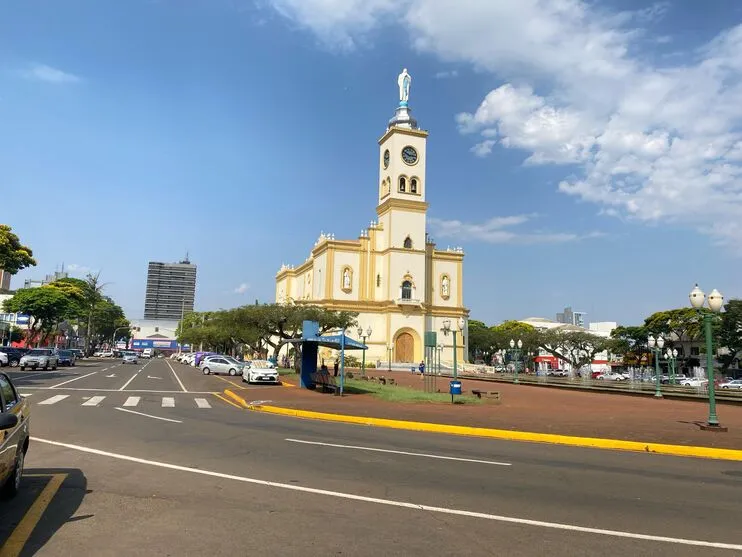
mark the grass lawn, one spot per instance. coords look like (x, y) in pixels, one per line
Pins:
(394, 393)
(286, 371)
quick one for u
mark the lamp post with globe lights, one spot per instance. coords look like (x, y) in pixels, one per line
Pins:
(715, 302)
(516, 356)
(672, 357)
(447, 329)
(656, 345)
(363, 339)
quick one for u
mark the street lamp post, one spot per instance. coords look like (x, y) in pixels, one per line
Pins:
(715, 301)
(447, 329)
(516, 356)
(113, 337)
(672, 357)
(363, 339)
(656, 345)
(440, 351)
(389, 357)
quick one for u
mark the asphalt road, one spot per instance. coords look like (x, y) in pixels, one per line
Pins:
(167, 475)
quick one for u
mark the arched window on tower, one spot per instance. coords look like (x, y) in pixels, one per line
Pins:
(413, 185)
(407, 290)
(408, 243)
(402, 184)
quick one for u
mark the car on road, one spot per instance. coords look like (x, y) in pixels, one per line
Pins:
(15, 415)
(694, 382)
(14, 355)
(263, 364)
(105, 354)
(147, 353)
(217, 365)
(611, 377)
(733, 384)
(257, 372)
(3, 359)
(43, 358)
(557, 373)
(66, 358)
(130, 358)
(78, 353)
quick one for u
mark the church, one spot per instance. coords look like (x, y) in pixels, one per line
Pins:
(393, 275)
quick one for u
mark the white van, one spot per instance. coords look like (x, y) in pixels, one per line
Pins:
(147, 353)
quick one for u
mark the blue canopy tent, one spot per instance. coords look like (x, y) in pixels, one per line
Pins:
(310, 342)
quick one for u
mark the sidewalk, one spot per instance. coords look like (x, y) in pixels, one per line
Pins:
(532, 409)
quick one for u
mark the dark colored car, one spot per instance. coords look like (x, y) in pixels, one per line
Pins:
(14, 354)
(15, 415)
(66, 358)
(78, 353)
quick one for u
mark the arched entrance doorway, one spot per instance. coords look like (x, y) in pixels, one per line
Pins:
(404, 348)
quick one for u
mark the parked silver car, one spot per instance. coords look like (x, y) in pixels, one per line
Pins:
(130, 358)
(43, 358)
(221, 365)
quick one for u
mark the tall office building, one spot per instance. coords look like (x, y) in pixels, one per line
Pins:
(570, 317)
(171, 290)
(4, 280)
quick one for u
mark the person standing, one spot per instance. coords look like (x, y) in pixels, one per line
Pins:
(421, 367)
(335, 367)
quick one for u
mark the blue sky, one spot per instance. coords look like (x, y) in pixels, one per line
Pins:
(584, 154)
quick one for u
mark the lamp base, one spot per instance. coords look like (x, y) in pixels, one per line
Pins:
(717, 428)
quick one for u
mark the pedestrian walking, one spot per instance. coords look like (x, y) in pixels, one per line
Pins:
(421, 367)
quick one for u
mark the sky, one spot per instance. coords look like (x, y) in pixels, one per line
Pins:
(584, 154)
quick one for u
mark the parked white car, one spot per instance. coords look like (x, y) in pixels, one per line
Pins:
(258, 373)
(612, 377)
(734, 384)
(694, 382)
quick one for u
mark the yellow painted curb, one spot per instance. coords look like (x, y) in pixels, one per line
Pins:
(241, 401)
(589, 442)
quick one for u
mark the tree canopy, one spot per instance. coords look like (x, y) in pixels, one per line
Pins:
(14, 256)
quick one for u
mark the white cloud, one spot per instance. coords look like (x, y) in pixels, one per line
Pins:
(644, 141)
(42, 72)
(498, 230)
(242, 288)
(446, 74)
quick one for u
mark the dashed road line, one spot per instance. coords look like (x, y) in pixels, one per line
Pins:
(176, 377)
(168, 402)
(149, 415)
(54, 399)
(132, 401)
(202, 403)
(93, 401)
(75, 379)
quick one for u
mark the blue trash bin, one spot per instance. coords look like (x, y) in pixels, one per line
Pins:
(455, 387)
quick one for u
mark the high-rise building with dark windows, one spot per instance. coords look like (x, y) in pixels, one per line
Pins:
(171, 290)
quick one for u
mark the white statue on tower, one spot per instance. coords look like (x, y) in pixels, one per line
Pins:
(404, 81)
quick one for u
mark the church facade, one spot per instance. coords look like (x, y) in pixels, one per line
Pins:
(393, 275)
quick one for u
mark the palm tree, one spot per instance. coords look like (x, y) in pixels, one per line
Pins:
(93, 295)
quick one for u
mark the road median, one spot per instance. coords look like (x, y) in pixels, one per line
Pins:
(502, 434)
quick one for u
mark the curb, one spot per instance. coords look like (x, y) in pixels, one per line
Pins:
(504, 434)
(238, 399)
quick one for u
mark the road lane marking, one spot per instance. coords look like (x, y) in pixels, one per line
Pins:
(176, 377)
(26, 395)
(217, 395)
(373, 449)
(148, 415)
(202, 403)
(93, 401)
(132, 401)
(54, 399)
(71, 380)
(119, 390)
(393, 503)
(231, 382)
(129, 381)
(13, 546)
(168, 402)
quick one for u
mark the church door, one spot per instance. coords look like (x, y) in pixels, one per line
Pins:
(404, 348)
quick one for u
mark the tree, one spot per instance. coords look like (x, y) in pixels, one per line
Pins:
(631, 341)
(45, 305)
(14, 256)
(729, 332)
(106, 318)
(575, 347)
(481, 339)
(681, 324)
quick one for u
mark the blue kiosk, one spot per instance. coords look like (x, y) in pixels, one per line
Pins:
(310, 342)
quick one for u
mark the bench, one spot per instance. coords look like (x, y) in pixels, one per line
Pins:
(487, 394)
(324, 380)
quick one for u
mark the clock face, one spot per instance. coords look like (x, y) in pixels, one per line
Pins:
(386, 158)
(409, 155)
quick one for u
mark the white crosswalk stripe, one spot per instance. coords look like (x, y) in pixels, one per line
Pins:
(93, 401)
(202, 403)
(25, 395)
(168, 402)
(54, 399)
(132, 401)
